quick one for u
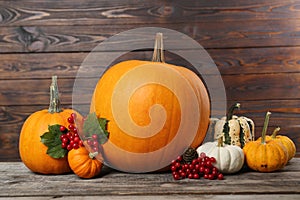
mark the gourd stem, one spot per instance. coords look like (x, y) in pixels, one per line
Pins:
(93, 155)
(220, 142)
(274, 134)
(158, 52)
(54, 106)
(231, 109)
(265, 127)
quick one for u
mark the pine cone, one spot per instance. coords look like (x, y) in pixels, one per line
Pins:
(189, 155)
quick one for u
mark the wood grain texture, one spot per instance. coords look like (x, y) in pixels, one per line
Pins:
(17, 181)
(249, 61)
(141, 12)
(229, 34)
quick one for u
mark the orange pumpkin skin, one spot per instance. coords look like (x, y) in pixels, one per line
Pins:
(287, 143)
(82, 164)
(33, 151)
(139, 107)
(268, 157)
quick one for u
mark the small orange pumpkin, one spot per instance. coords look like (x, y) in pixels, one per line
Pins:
(265, 155)
(32, 151)
(286, 141)
(84, 163)
(146, 104)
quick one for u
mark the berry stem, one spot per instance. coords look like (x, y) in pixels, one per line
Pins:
(265, 127)
(54, 106)
(158, 52)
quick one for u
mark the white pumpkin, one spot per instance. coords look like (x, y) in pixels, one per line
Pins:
(234, 130)
(229, 158)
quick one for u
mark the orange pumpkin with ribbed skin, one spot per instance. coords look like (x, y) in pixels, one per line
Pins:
(146, 104)
(32, 150)
(265, 155)
(83, 163)
(286, 141)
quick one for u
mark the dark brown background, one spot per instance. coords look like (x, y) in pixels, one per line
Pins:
(255, 45)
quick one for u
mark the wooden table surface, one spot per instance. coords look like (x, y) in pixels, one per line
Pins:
(17, 182)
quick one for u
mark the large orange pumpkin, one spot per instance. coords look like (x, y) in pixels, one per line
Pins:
(32, 150)
(155, 112)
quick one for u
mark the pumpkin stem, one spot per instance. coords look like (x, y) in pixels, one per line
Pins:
(54, 106)
(276, 130)
(93, 155)
(220, 142)
(158, 52)
(265, 127)
(231, 109)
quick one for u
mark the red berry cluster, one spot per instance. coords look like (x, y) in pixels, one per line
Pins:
(201, 166)
(93, 142)
(70, 138)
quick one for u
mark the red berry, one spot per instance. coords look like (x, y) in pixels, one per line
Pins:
(213, 160)
(71, 138)
(176, 176)
(188, 171)
(80, 143)
(183, 174)
(65, 140)
(206, 171)
(208, 164)
(62, 136)
(173, 162)
(201, 169)
(196, 176)
(191, 167)
(89, 142)
(173, 168)
(202, 155)
(62, 128)
(75, 130)
(220, 176)
(74, 116)
(95, 143)
(95, 136)
(179, 158)
(71, 120)
(71, 127)
(211, 177)
(75, 146)
(76, 139)
(64, 145)
(95, 149)
(195, 161)
(205, 176)
(69, 147)
(190, 176)
(177, 164)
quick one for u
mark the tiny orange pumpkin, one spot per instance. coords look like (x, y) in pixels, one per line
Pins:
(84, 163)
(286, 141)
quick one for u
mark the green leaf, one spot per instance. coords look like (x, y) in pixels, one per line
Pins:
(93, 125)
(52, 140)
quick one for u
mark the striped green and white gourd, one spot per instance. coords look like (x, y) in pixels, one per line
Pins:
(235, 130)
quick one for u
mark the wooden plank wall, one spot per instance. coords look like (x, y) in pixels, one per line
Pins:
(255, 44)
